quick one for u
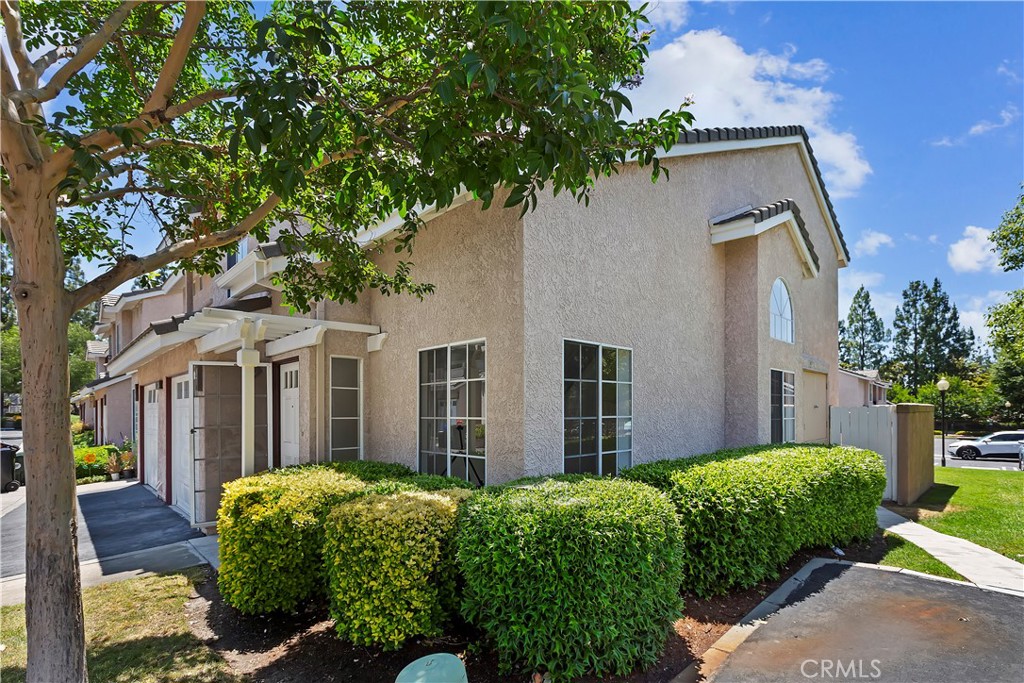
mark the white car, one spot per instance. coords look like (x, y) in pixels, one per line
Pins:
(998, 444)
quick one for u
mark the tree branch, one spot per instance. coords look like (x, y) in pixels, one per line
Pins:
(146, 145)
(85, 50)
(132, 76)
(11, 10)
(164, 88)
(52, 57)
(129, 189)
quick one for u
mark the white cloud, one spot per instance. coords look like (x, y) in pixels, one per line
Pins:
(870, 241)
(884, 302)
(946, 141)
(669, 14)
(933, 239)
(1006, 71)
(973, 253)
(735, 88)
(1007, 116)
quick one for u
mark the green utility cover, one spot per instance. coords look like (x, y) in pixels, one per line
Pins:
(439, 668)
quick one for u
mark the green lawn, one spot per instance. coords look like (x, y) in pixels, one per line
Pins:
(983, 506)
(905, 554)
(136, 632)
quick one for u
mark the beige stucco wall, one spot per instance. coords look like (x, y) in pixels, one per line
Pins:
(852, 392)
(118, 411)
(474, 260)
(637, 269)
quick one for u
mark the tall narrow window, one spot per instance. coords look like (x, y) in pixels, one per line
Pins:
(346, 413)
(781, 313)
(453, 411)
(598, 398)
(783, 417)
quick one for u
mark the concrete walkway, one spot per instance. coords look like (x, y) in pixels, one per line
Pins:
(979, 565)
(133, 565)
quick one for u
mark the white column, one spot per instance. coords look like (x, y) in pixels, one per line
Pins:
(247, 359)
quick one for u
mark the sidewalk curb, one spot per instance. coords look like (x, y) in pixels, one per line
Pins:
(704, 668)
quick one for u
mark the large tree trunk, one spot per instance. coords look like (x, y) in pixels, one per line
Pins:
(53, 592)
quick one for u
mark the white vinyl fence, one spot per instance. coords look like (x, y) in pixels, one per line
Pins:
(870, 427)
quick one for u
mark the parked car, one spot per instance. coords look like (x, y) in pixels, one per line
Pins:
(997, 444)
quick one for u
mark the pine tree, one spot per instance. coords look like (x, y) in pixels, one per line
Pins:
(929, 340)
(863, 337)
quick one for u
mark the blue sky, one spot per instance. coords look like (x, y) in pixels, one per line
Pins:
(914, 111)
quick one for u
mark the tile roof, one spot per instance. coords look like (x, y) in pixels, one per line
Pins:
(698, 135)
(767, 211)
(97, 347)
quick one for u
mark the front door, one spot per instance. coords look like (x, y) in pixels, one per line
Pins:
(181, 454)
(815, 407)
(290, 414)
(151, 440)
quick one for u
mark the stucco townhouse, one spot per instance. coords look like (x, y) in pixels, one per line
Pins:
(666, 319)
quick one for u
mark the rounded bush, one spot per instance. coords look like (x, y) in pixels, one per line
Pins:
(390, 566)
(271, 535)
(571, 577)
(744, 514)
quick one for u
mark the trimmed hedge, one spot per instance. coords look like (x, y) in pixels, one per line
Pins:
(390, 565)
(91, 461)
(271, 535)
(369, 470)
(571, 577)
(745, 512)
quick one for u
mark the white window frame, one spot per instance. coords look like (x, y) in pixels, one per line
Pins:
(790, 338)
(448, 403)
(330, 404)
(600, 400)
(790, 420)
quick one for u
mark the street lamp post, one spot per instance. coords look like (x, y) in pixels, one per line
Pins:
(943, 385)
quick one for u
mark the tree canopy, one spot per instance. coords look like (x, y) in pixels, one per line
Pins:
(208, 122)
(1008, 238)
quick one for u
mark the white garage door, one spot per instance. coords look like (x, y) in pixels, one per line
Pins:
(181, 441)
(151, 441)
(289, 414)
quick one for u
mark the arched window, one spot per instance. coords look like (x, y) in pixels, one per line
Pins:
(781, 312)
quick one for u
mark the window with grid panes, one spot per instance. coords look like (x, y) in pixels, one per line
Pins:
(598, 408)
(453, 411)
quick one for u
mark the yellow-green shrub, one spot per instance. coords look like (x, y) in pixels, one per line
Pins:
(390, 565)
(271, 535)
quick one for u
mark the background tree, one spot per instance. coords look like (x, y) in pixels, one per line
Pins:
(324, 118)
(8, 311)
(10, 365)
(155, 279)
(80, 370)
(862, 337)
(1008, 238)
(74, 277)
(1006, 321)
(928, 339)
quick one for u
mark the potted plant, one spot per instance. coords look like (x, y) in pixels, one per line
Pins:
(128, 459)
(114, 466)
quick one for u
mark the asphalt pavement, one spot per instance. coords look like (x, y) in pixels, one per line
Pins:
(114, 518)
(854, 622)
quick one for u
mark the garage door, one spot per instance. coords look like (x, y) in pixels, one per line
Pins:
(289, 414)
(151, 440)
(181, 441)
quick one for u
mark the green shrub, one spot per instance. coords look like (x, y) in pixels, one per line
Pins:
(659, 473)
(271, 535)
(84, 439)
(390, 565)
(370, 470)
(571, 577)
(91, 461)
(532, 481)
(744, 514)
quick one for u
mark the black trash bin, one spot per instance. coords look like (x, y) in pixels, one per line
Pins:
(12, 468)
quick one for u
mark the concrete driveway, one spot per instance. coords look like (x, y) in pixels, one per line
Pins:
(841, 621)
(114, 518)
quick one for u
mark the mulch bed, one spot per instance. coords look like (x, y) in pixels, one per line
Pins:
(302, 647)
